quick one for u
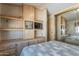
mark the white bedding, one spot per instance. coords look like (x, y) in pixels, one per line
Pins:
(51, 48)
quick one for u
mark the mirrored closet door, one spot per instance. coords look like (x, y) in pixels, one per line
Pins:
(68, 25)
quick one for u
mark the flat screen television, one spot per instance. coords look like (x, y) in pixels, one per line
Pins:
(38, 25)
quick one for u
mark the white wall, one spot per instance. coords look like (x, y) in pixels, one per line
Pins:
(52, 7)
(55, 7)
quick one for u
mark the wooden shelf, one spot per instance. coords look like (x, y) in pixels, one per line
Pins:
(38, 29)
(39, 21)
(10, 17)
(28, 29)
(10, 29)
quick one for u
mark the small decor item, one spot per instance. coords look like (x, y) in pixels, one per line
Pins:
(28, 25)
(76, 23)
(38, 25)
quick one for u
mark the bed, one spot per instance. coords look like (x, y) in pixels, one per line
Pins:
(51, 48)
(73, 39)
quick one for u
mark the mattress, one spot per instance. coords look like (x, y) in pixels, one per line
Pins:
(72, 39)
(51, 48)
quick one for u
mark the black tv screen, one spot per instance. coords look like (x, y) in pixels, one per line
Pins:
(38, 25)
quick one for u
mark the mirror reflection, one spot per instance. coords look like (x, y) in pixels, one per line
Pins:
(68, 26)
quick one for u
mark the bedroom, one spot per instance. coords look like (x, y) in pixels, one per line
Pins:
(39, 29)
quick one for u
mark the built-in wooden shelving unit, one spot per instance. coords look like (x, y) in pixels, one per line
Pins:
(10, 29)
(13, 30)
(16, 19)
(12, 18)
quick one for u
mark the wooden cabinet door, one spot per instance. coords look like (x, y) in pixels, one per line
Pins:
(11, 10)
(10, 24)
(40, 14)
(32, 42)
(8, 49)
(28, 15)
(28, 12)
(41, 40)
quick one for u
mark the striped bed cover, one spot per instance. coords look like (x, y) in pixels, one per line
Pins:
(51, 48)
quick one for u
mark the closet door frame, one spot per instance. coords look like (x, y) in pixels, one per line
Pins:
(75, 6)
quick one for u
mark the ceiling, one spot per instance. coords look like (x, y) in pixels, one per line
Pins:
(55, 7)
(52, 7)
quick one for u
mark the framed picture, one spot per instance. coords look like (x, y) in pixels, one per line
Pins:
(28, 25)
